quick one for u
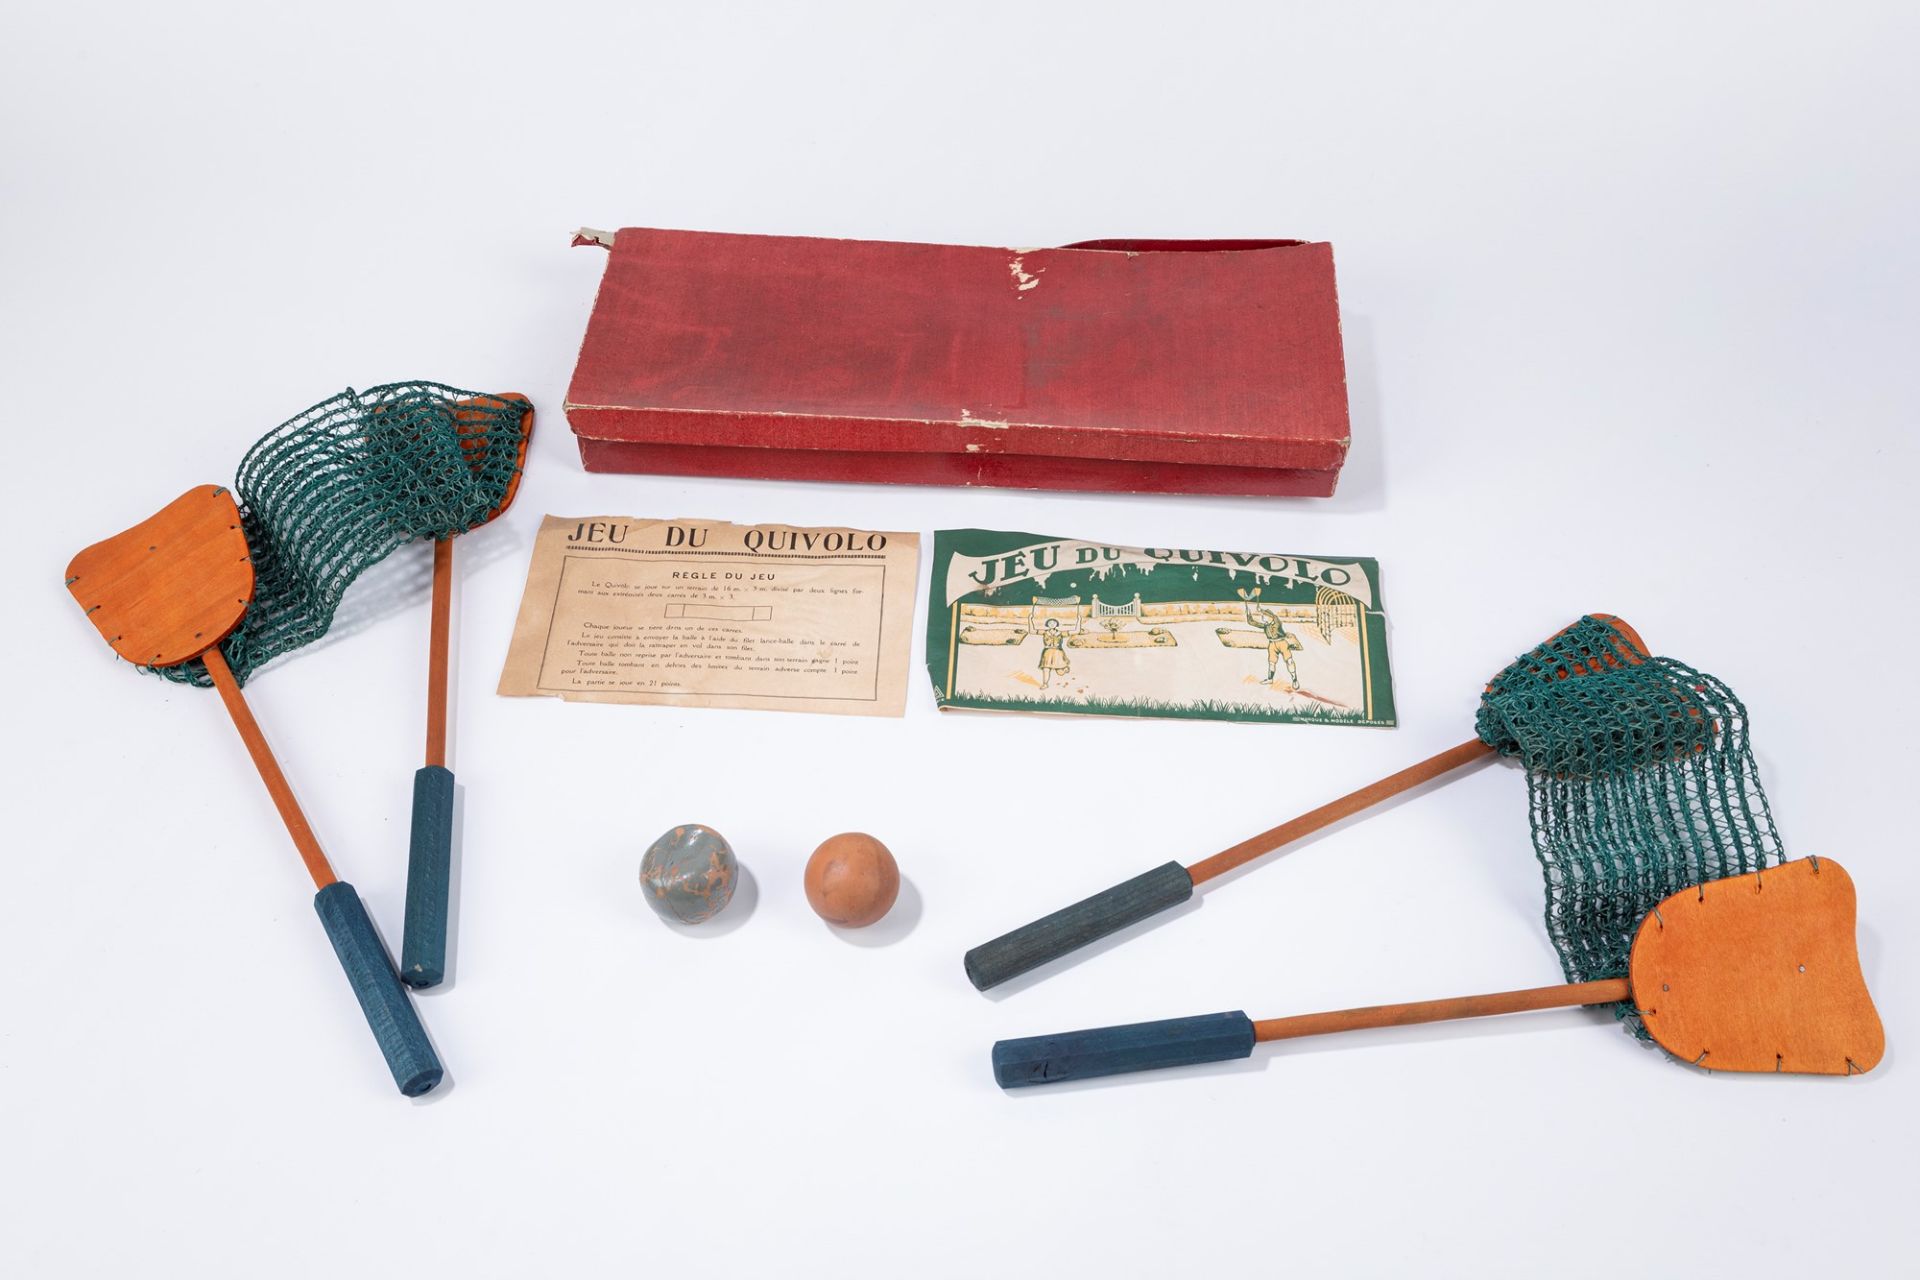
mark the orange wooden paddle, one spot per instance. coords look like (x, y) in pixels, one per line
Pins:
(423, 945)
(169, 590)
(1757, 972)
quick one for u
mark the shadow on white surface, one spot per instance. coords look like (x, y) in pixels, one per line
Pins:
(890, 928)
(1363, 477)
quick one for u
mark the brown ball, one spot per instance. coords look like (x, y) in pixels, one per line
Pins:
(852, 880)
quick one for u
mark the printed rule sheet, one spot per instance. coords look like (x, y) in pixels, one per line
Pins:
(707, 613)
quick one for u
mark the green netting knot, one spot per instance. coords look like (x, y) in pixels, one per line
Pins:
(328, 493)
(1640, 781)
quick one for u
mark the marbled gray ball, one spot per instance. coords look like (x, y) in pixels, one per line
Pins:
(689, 873)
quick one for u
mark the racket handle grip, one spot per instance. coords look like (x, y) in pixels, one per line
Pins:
(1070, 928)
(1112, 1051)
(423, 943)
(410, 1056)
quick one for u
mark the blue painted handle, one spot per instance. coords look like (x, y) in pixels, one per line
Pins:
(1110, 1051)
(423, 944)
(1070, 928)
(410, 1056)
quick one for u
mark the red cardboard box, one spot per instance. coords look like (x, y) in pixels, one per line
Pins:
(1149, 366)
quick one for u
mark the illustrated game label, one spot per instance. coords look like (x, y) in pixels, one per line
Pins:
(1021, 622)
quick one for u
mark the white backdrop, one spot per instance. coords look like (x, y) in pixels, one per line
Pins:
(1629, 299)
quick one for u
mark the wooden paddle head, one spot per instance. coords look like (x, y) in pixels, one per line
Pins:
(1627, 633)
(171, 587)
(469, 415)
(1759, 973)
(1631, 652)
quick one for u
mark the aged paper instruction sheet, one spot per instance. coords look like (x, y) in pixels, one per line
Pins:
(708, 614)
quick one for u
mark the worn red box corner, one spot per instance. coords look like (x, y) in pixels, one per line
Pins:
(1124, 365)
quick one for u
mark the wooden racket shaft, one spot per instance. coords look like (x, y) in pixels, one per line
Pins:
(423, 942)
(170, 589)
(1131, 901)
(1758, 972)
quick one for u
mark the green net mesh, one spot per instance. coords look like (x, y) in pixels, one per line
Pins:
(1641, 784)
(328, 493)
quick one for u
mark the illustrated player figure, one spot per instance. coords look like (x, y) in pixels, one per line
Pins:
(1280, 645)
(1053, 652)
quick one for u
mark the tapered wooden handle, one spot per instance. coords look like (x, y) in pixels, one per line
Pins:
(1108, 1051)
(278, 787)
(1220, 1037)
(423, 946)
(396, 1027)
(440, 627)
(1337, 810)
(1070, 928)
(1605, 991)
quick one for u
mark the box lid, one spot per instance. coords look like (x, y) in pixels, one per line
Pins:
(1206, 352)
